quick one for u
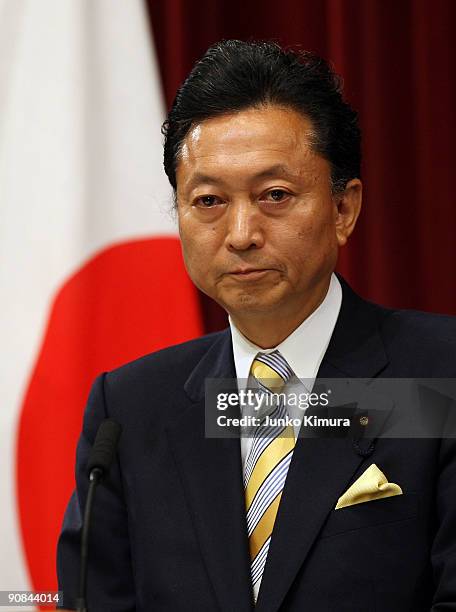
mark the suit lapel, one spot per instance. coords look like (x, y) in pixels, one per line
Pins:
(211, 472)
(322, 468)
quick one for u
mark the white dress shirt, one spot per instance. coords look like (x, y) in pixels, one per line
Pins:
(303, 349)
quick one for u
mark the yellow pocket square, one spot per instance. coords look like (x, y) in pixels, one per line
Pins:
(371, 485)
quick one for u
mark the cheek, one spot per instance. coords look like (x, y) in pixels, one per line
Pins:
(308, 245)
(197, 247)
(317, 232)
(314, 236)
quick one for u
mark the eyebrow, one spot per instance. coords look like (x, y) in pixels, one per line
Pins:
(270, 172)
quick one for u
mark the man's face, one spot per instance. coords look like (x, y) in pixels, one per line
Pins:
(259, 226)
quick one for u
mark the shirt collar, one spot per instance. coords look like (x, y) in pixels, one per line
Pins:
(305, 347)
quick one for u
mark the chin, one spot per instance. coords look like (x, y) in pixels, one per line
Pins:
(246, 303)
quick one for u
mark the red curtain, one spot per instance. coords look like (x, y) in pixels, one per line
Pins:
(398, 61)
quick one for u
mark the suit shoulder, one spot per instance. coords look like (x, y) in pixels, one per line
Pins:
(419, 326)
(427, 339)
(177, 358)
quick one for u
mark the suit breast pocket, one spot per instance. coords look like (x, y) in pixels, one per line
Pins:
(371, 513)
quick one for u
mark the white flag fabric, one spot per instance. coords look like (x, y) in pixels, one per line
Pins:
(91, 273)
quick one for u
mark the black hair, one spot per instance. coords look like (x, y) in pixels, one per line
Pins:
(234, 75)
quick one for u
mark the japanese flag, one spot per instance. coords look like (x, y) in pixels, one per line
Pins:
(91, 271)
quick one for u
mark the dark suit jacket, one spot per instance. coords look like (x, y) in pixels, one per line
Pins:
(169, 529)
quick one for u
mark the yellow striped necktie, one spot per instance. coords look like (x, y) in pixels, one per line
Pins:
(267, 464)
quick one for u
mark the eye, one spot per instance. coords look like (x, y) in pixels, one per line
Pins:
(207, 201)
(276, 195)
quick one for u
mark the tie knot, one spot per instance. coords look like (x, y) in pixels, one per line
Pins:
(271, 370)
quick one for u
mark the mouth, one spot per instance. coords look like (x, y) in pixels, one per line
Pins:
(249, 273)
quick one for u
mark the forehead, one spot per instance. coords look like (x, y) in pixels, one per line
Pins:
(247, 142)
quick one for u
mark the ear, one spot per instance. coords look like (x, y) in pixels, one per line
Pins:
(348, 207)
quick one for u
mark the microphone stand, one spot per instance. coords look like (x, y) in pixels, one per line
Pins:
(100, 460)
(95, 477)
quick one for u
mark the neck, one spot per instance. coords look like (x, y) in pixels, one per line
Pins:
(268, 329)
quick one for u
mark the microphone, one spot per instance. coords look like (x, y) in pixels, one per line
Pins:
(100, 460)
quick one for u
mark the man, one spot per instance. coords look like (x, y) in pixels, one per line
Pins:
(264, 158)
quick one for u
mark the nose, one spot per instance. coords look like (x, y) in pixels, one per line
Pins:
(244, 231)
